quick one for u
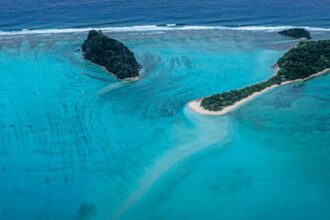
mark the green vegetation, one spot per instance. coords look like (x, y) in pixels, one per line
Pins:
(296, 33)
(302, 61)
(111, 54)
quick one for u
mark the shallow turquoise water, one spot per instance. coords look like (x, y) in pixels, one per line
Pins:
(73, 147)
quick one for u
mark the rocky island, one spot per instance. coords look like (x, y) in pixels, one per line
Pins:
(296, 33)
(113, 55)
(308, 59)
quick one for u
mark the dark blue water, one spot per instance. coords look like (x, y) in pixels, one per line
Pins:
(41, 14)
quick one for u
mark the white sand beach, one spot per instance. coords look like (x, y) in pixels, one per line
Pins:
(196, 104)
(132, 78)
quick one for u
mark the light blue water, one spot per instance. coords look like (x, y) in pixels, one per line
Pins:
(73, 147)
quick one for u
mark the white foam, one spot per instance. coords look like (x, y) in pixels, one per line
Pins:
(147, 28)
(277, 28)
(170, 25)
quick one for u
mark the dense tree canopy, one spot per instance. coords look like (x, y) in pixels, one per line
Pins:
(302, 61)
(296, 33)
(111, 54)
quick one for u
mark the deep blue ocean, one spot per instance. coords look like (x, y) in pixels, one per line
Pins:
(42, 14)
(74, 147)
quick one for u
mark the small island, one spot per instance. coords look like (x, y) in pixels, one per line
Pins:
(296, 33)
(114, 56)
(306, 60)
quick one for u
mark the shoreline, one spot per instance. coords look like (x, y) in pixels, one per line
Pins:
(196, 104)
(131, 79)
(128, 79)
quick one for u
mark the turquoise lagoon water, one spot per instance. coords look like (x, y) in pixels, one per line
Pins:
(76, 147)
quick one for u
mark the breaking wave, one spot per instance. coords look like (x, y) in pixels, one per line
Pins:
(147, 28)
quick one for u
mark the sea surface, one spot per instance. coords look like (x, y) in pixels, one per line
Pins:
(76, 144)
(41, 14)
